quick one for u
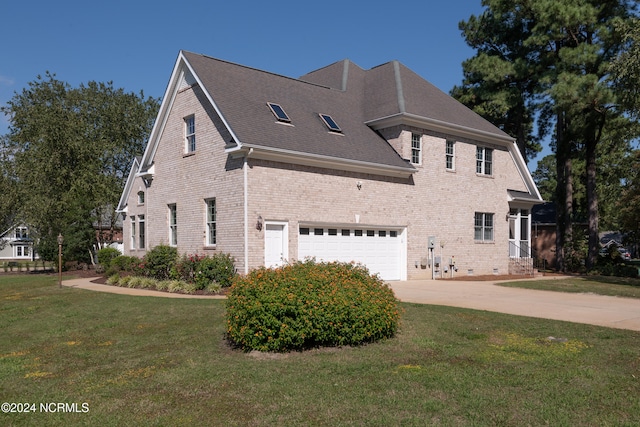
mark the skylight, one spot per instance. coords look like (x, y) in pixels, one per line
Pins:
(331, 124)
(278, 111)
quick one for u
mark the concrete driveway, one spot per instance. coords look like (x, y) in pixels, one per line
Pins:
(613, 312)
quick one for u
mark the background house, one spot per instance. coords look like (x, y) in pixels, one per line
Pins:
(376, 166)
(16, 245)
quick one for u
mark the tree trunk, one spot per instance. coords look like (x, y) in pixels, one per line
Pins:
(564, 192)
(592, 204)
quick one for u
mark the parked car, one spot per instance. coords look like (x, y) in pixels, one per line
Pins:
(624, 253)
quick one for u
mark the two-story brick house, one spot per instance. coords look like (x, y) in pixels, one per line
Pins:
(341, 164)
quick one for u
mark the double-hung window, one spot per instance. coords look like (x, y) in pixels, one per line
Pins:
(141, 231)
(450, 155)
(416, 148)
(190, 134)
(484, 161)
(483, 227)
(211, 222)
(173, 225)
(133, 231)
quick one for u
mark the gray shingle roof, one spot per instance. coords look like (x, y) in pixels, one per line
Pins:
(242, 94)
(350, 95)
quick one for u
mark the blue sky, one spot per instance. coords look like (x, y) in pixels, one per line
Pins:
(135, 43)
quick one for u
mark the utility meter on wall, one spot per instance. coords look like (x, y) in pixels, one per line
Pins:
(432, 242)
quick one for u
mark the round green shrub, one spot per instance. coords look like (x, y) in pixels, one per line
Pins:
(219, 268)
(160, 261)
(125, 263)
(308, 304)
(107, 255)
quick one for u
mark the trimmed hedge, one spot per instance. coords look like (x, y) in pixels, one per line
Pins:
(308, 304)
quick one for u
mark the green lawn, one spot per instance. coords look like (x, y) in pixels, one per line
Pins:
(164, 362)
(601, 285)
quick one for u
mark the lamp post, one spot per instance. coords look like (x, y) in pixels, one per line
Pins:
(60, 240)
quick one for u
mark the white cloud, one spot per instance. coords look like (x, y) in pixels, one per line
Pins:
(6, 81)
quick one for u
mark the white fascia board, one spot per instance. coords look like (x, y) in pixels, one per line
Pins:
(522, 168)
(163, 114)
(438, 126)
(320, 161)
(213, 103)
(170, 94)
(122, 203)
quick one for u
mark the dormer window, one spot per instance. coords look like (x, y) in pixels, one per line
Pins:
(278, 111)
(330, 123)
(21, 233)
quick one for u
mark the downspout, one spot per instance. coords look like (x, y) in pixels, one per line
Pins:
(245, 171)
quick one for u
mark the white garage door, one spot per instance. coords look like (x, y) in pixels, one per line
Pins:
(380, 249)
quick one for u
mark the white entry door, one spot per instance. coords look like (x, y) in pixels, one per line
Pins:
(275, 244)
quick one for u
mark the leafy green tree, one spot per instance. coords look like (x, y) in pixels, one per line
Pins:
(9, 200)
(500, 80)
(70, 150)
(629, 202)
(560, 53)
(546, 178)
(625, 69)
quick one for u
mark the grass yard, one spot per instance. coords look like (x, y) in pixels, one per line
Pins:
(601, 285)
(164, 362)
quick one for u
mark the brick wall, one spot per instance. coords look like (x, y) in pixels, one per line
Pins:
(433, 202)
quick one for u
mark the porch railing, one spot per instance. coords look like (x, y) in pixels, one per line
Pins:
(520, 260)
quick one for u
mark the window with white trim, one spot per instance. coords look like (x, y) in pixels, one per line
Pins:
(173, 225)
(133, 231)
(21, 233)
(483, 227)
(211, 222)
(22, 251)
(450, 155)
(141, 231)
(190, 133)
(141, 197)
(484, 161)
(416, 148)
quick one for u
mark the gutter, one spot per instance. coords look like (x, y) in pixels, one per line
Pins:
(438, 125)
(321, 161)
